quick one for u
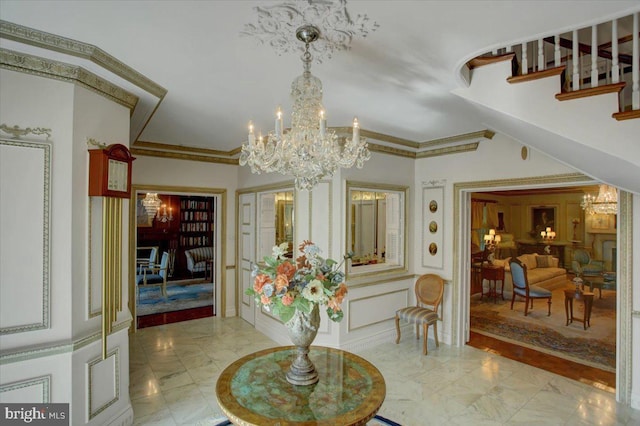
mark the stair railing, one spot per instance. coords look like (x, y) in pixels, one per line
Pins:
(616, 59)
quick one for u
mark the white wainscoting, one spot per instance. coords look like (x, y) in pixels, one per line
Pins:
(104, 382)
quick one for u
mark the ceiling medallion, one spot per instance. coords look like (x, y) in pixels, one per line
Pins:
(338, 27)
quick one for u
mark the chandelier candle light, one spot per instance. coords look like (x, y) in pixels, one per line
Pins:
(605, 203)
(309, 151)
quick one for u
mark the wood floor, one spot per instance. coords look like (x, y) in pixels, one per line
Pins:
(600, 379)
(174, 316)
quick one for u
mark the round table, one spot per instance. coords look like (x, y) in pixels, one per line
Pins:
(254, 391)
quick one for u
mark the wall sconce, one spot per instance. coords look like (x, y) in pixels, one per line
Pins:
(164, 217)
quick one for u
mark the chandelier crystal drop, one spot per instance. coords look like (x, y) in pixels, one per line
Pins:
(309, 151)
(151, 203)
(605, 203)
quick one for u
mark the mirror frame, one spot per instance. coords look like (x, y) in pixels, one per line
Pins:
(259, 194)
(352, 272)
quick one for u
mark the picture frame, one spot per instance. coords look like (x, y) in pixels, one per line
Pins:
(542, 217)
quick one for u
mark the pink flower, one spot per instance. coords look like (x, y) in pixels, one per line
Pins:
(287, 299)
(286, 268)
(265, 300)
(260, 281)
(281, 282)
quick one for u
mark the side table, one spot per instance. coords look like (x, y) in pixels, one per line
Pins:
(587, 298)
(493, 273)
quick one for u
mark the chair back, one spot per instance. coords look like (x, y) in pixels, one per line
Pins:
(582, 256)
(519, 274)
(153, 257)
(429, 289)
(164, 264)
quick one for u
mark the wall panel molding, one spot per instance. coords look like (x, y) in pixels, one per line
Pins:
(44, 382)
(35, 215)
(98, 367)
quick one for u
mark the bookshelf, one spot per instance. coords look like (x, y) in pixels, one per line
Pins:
(196, 222)
(192, 226)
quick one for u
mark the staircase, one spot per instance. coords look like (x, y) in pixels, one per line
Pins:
(583, 112)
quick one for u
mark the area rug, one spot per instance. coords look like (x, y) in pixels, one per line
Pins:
(179, 297)
(223, 421)
(595, 346)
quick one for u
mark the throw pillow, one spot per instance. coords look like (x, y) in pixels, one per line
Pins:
(544, 261)
(529, 260)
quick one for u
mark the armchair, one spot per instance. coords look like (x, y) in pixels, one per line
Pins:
(155, 276)
(583, 265)
(146, 263)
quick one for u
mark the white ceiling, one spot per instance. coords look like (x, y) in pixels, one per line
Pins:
(397, 80)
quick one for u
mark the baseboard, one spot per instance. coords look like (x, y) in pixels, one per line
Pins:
(635, 400)
(125, 418)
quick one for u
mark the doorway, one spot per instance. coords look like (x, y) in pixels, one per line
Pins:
(462, 268)
(178, 224)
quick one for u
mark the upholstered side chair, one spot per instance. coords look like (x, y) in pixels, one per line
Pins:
(429, 289)
(155, 276)
(522, 288)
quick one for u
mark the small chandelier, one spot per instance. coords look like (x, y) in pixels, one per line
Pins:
(605, 203)
(308, 151)
(151, 203)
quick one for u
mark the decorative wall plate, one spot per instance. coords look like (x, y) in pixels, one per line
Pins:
(433, 206)
(433, 249)
(433, 227)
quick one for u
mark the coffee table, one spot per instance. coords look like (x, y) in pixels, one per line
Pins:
(254, 391)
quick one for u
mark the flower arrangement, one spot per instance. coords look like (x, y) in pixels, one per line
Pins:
(282, 286)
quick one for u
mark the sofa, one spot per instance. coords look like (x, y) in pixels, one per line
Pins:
(542, 270)
(197, 259)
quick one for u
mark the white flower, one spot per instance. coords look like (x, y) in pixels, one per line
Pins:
(314, 292)
(280, 251)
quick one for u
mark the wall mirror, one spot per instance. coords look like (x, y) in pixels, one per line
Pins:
(275, 221)
(376, 232)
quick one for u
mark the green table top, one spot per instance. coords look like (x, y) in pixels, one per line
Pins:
(254, 390)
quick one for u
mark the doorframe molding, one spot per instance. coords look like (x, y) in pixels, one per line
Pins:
(220, 236)
(462, 250)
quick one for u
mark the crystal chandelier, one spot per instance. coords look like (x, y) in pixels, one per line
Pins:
(308, 151)
(605, 203)
(151, 203)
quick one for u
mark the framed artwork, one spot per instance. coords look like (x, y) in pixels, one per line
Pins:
(601, 223)
(542, 217)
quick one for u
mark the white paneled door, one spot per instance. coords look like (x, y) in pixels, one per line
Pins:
(247, 253)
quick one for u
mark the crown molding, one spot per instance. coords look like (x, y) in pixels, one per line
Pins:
(482, 134)
(35, 65)
(186, 149)
(456, 149)
(79, 49)
(183, 156)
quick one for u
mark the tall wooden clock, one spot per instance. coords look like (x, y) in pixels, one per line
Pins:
(110, 171)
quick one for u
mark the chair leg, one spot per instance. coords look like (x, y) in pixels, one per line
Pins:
(549, 314)
(513, 298)
(425, 332)
(417, 331)
(397, 329)
(435, 333)
(526, 306)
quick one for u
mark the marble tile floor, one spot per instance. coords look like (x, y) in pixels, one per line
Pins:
(174, 369)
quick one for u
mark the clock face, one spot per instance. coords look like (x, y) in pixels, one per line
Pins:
(118, 171)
